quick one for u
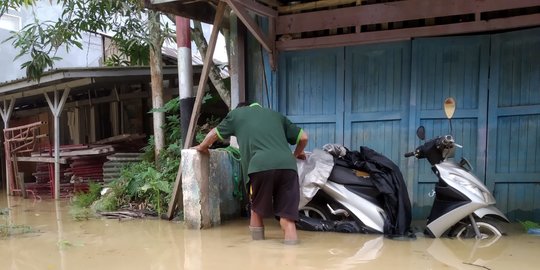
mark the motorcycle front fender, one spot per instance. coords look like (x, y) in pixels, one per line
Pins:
(490, 211)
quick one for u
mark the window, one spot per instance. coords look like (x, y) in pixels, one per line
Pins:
(10, 22)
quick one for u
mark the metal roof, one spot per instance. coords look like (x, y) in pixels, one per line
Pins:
(80, 77)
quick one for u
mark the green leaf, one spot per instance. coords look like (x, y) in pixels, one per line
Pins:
(146, 187)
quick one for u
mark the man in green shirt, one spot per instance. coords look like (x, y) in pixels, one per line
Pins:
(264, 137)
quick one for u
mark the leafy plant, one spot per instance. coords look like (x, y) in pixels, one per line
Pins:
(7, 229)
(529, 225)
(85, 199)
(145, 184)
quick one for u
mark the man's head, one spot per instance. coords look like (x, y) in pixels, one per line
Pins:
(242, 104)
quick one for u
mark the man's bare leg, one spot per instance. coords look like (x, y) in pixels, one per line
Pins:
(256, 226)
(289, 228)
(255, 220)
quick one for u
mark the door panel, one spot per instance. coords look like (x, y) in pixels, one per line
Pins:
(513, 168)
(311, 93)
(377, 95)
(448, 67)
(376, 98)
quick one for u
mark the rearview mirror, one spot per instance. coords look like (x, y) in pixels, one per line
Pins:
(449, 107)
(421, 133)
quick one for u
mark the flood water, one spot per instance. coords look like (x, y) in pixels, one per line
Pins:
(59, 242)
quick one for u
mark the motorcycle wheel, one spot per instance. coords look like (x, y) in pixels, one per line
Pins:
(489, 229)
(317, 211)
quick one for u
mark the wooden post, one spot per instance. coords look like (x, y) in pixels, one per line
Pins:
(236, 60)
(56, 109)
(20, 182)
(197, 106)
(6, 111)
(156, 74)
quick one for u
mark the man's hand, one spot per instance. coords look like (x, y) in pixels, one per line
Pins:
(210, 138)
(299, 150)
(301, 155)
(201, 149)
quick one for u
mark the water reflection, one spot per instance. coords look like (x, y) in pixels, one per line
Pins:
(64, 244)
(462, 252)
(367, 252)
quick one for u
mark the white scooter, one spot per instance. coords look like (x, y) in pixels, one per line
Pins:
(349, 202)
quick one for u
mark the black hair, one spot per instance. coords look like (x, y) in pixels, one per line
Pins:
(242, 104)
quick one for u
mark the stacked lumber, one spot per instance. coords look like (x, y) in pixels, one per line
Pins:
(43, 174)
(115, 163)
(75, 150)
(126, 143)
(86, 163)
(86, 168)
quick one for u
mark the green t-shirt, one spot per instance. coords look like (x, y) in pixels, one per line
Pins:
(263, 136)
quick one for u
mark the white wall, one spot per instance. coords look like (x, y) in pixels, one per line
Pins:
(89, 56)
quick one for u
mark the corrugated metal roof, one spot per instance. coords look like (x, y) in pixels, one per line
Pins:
(67, 75)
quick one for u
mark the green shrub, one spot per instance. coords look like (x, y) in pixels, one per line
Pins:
(85, 199)
(529, 225)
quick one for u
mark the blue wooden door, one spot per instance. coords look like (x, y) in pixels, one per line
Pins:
(310, 93)
(448, 67)
(377, 98)
(513, 167)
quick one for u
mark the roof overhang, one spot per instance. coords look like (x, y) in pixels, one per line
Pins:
(203, 11)
(317, 24)
(81, 78)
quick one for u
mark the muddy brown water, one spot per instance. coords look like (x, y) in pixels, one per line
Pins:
(61, 243)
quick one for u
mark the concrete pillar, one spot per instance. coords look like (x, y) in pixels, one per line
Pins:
(207, 188)
(201, 200)
(221, 174)
(185, 73)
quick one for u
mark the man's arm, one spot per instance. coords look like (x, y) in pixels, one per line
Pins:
(299, 151)
(210, 138)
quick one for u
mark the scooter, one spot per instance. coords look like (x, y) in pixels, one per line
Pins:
(349, 201)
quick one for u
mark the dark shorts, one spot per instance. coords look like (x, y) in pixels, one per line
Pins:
(275, 193)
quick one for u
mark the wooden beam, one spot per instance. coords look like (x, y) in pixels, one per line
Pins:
(6, 112)
(20, 182)
(258, 8)
(251, 25)
(45, 89)
(390, 12)
(408, 33)
(41, 159)
(197, 106)
(313, 5)
(237, 62)
(272, 3)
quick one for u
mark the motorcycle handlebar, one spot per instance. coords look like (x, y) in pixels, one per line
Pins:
(447, 140)
(409, 154)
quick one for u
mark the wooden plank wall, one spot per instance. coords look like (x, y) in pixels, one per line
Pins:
(514, 123)
(311, 93)
(377, 95)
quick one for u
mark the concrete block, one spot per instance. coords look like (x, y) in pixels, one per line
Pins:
(221, 174)
(207, 188)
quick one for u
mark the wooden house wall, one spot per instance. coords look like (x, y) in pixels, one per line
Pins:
(377, 95)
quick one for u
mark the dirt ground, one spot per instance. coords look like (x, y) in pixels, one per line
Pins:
(59, 242)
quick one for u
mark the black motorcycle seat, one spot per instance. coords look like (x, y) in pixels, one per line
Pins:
(347, 176)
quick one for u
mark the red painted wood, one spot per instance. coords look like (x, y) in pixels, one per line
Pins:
(183, 32)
